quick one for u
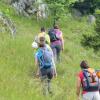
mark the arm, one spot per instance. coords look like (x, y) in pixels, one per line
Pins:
(62, 41)
(53, 62)
(47, 39)
(78, 87)
(37, 67)
(54, 66)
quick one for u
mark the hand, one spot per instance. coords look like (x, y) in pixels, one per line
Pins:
(62, 48)
(55, 74)
(37, 75)
(78, 98)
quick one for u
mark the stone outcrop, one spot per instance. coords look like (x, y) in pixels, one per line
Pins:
(6, 24)
(31, 7)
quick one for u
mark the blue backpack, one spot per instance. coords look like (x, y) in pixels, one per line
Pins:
(45, 58)
(90, 81)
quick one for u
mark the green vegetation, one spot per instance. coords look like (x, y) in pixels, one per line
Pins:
(57, 8)
(86, 7)
(17, 80)
(93, 40)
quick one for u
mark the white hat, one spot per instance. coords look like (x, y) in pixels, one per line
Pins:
(34, 45)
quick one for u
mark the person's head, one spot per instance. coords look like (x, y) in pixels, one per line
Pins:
(84, 64)
(41, 41)
(56, 27)
(42, 29)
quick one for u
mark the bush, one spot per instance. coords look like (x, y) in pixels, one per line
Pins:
(86, 6)
(93, 41)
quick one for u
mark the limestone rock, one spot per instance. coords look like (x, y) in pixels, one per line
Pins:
(7, 24)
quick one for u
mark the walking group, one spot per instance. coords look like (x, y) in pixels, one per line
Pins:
(48, 47)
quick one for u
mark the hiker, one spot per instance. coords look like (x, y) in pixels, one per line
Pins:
(45, 63)
(98, 74)
(57, 42)
(42, 33)
(88, 81)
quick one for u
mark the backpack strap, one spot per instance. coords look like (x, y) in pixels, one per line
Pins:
(84, 73)
(40, 57)
(52, 34)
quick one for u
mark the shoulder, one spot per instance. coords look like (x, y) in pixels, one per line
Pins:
(60, 31)
(46, 35)
(37, 53)
(48, 47)
(80, 74)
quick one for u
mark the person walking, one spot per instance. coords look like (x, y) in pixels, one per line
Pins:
(98, 74)
(45, 64)
(89, 82)
(57, 41)
(44, 34)
(41, 34)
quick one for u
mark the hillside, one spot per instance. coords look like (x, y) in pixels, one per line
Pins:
(17, 81)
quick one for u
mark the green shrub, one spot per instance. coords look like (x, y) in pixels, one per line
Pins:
(93, 41)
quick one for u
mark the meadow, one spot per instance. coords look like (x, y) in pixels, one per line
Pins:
(17, 70)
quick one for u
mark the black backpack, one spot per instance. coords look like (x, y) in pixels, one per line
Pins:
(52, 35)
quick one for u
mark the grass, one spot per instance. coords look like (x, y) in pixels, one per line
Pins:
(17, 81)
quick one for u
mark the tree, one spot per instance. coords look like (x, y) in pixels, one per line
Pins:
(57, 8)
(86, 6)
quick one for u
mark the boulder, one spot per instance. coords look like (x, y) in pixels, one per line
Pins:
(91, 19)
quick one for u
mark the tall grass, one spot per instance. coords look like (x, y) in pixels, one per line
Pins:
(17, 80)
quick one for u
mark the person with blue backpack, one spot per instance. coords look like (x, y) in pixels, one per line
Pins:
(88, 80)
(45, 63)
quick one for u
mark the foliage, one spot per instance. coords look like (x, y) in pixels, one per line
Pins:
(58, 8)
(93, 41)
(86, 6)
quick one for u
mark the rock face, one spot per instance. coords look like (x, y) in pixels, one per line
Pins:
(30, 7)
(23, 7)
(7, 1)
(43, 8)
(6, 24)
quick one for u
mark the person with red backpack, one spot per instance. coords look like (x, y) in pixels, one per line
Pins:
(57, 41)
(45, 64)
(89, 82)
(98, 74)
